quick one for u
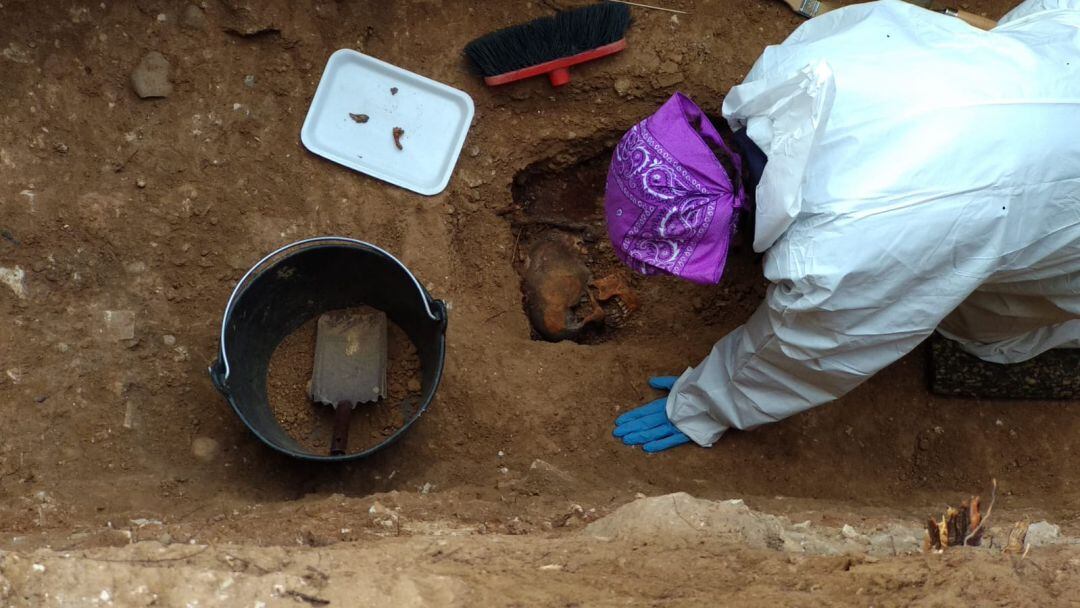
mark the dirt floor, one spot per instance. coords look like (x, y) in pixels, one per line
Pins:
(125, 223)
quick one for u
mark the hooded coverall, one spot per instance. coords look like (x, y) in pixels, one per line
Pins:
(922, 174)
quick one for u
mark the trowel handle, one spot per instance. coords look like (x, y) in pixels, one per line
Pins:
(340, 441)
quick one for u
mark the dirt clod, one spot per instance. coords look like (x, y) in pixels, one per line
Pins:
(204, 448)
(358, 118)
(398, 133)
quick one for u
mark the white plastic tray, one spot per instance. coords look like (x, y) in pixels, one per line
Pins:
(435, 118)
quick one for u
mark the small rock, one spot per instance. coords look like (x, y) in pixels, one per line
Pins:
(1042, 533)
(118, 325)
(474, 151)
(850, 532)
(151, 77)
(204, 448)
(622, 86)
(249, 81)
(168, 340)
(413, 385)
(193, 18)
(426, 488)
(13, 278)
(141, 183)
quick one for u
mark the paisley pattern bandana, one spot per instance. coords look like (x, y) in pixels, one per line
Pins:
(669, 202)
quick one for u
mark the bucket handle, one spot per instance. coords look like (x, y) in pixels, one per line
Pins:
(219, 370)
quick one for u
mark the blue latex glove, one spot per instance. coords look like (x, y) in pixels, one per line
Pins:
(648, 425)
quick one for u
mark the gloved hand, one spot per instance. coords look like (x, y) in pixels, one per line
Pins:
(649, 424)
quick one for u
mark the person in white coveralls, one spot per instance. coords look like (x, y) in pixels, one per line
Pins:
(921, 175)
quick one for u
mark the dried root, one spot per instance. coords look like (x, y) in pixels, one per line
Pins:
(1018, 538)
(959, 527)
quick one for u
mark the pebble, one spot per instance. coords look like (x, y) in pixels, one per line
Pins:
(848, 531)
(204, 448)
(474, 151)
(13, 278)
(151, 77)
(165, 538)
(622, 85)
(118, 325)
(168, 339)
(249, 81)
(193, 18)
(141, 183)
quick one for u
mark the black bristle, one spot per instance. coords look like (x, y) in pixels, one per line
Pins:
(548, 38)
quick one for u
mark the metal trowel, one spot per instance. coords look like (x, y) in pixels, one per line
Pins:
(350, 365)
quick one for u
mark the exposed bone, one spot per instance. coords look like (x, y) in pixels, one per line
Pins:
(618, 300)
(557, 298)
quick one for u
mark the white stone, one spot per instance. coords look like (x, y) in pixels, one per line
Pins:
(13, 278)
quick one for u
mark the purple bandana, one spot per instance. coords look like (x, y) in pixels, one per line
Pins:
(669, 204)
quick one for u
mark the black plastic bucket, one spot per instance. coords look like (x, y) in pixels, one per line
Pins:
(299, 282)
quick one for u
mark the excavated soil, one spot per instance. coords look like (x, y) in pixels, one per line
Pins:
(312, 424)
(125, 223)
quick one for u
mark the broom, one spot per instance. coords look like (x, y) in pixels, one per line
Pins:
(550, 45)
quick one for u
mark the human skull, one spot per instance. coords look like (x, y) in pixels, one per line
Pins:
(557, 296)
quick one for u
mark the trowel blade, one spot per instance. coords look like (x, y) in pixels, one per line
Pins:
(350, 357)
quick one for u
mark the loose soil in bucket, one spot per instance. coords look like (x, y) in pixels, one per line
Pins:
(310, 423)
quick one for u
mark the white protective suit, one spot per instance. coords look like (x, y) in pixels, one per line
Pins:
(922, 174)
